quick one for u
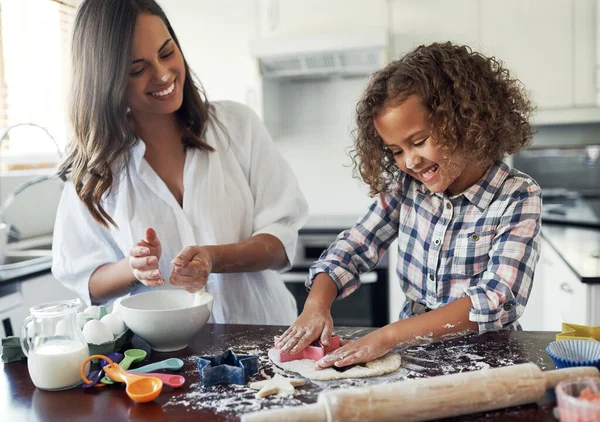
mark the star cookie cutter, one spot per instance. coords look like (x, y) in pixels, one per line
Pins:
(227, 368)
(314, 351)
(579, 332)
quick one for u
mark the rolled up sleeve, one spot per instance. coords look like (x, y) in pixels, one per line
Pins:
(360, 248)
(499, 299)
(280, 208)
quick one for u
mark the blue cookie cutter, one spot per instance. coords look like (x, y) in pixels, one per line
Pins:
(227, 368)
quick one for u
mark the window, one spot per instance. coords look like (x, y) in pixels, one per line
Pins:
(34, 79)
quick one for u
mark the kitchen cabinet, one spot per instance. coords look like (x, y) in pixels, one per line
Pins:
(214, 36)
(549, 46)
(558, 295)
(283, 18)
(415, 22)
(12, 310)
(16, 298)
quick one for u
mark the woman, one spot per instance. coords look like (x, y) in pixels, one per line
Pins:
(152, 159)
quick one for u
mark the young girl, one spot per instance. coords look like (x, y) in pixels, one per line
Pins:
(164, 189)
(433, 128)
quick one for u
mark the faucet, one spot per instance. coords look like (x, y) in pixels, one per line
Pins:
(13, 233)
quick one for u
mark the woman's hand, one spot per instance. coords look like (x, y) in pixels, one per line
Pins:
(315, 323)
(192, 267)
(143, 259)
(370, 347)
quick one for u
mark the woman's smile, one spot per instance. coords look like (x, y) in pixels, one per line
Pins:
(164, 94)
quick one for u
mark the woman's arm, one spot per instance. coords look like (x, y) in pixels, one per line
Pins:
(260, 252)
(111, 280)
(193, 265)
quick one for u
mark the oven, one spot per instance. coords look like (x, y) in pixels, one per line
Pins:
(365, 307)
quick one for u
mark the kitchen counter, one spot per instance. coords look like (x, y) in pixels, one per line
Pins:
(20, 400)
(579, 247)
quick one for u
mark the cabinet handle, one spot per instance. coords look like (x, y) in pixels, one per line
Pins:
(565, 288)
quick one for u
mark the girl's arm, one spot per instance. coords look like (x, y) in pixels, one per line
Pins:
(451, 320)
(337, 272)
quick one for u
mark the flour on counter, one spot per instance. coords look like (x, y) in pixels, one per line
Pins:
(231, 401)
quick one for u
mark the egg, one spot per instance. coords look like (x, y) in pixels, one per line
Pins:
(62, 328)
(92, 311)
(82, 319)
(97, 332)
(114, 322)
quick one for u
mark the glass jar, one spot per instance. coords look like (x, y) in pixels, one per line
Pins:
(54, 345)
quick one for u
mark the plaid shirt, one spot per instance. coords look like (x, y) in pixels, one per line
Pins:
(483, 243)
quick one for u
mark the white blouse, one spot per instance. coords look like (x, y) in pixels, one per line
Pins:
(242, 189)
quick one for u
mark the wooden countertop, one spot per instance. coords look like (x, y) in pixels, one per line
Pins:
(20, 400)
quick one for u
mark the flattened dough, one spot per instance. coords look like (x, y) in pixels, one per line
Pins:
(306, 367)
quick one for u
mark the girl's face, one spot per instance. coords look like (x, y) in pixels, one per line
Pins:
(405, 131)
(157, 72)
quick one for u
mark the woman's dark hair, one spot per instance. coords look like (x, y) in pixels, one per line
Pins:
(473, 104)
(103, 132)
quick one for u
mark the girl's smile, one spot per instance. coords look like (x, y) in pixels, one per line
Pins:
(406, 134)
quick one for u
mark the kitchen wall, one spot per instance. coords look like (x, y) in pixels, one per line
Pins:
(33, 211)
(316, 135)
(215, 34)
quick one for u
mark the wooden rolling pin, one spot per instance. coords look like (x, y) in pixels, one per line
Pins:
(429, 398)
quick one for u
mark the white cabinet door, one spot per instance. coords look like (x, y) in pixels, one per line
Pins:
(214, 36)
(566, 298)
(280, 18)
(535, 40)
(417, 22)
(557, 295)
(11, 320)
(44, 288)
(12, 309)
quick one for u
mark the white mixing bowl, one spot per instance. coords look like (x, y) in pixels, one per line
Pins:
(166, 319)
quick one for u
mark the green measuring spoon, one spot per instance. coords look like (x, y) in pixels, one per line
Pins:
(131, 356)
(171, 364)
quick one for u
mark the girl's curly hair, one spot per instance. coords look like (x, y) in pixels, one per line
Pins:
(472, 101)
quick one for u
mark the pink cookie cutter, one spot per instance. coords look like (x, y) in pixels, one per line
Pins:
(314, 351)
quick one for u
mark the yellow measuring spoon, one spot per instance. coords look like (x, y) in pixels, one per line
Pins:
(139, 388)
(131, 356)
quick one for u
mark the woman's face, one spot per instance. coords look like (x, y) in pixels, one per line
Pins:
(405, 131)
(157, 72)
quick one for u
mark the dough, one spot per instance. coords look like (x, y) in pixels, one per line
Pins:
(277, 385)
(306, 367)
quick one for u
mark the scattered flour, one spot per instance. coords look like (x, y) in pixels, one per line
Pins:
(231, 401)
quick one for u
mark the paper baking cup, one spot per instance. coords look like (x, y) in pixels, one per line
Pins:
(568, 353)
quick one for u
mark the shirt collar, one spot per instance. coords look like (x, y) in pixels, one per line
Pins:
(484, 190)
(137, 153)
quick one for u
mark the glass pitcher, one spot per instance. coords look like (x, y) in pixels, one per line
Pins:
(54, 345)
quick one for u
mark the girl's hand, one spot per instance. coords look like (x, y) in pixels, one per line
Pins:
(370, 347)
(191, 268)
(143, 259)
(315, 323)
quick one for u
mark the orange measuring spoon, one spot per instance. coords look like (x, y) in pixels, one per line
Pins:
(139, 388)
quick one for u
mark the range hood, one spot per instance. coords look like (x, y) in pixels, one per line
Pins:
(355, 54)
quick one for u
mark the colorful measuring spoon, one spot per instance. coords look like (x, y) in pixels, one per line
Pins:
(140, 388)
(94, 377)
(131, 356)
(171, 364)
(171, 380)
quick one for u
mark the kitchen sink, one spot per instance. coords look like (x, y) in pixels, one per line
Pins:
(26, 257)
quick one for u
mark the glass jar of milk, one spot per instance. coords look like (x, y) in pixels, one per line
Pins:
(54, 345)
